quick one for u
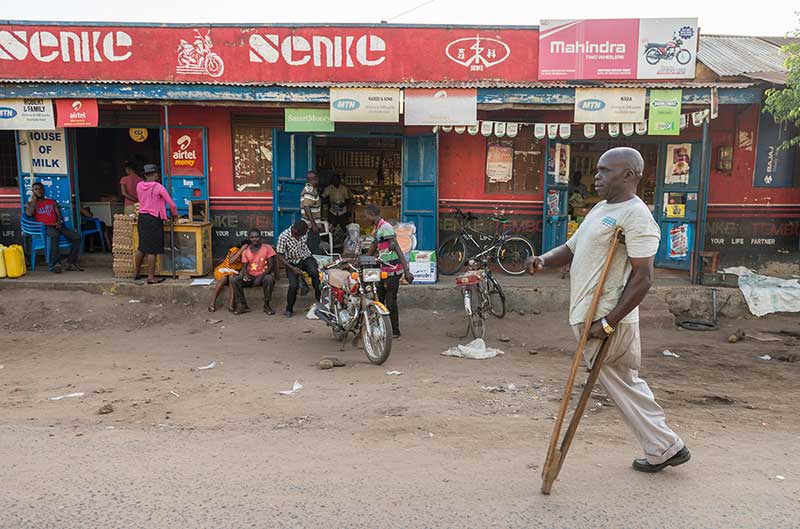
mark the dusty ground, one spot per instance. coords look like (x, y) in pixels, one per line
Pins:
(357, 448)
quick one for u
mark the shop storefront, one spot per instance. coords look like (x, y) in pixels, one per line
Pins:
(239, 121)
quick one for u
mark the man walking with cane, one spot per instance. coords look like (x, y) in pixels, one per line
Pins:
(617, 318)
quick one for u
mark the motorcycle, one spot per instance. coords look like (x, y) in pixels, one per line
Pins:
(348, 304)
(197, 57)
(655, 53)
(482, 295)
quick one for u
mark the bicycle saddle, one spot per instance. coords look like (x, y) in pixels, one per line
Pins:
(501, 220)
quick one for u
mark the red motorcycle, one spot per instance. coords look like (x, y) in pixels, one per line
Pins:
(655, 53)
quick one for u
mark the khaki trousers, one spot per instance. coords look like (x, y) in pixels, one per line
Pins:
(620, 377)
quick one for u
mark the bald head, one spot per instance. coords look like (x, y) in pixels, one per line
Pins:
(618, 173)
(628, 158)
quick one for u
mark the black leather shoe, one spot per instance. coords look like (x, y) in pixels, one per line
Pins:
(678, 459)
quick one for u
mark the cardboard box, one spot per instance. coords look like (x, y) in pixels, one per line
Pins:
(422, 265)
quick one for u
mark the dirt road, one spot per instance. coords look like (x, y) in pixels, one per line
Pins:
(358, 448)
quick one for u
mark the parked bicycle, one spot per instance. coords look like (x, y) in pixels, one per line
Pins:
(510, 251)
(482, 294)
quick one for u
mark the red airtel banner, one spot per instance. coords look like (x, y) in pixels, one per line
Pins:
(186, 152)
(267, 54)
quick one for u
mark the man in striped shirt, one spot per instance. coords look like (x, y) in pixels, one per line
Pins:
(295, 256)
(311, 211)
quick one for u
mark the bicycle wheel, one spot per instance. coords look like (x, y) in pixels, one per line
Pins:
(451, 256)
(497, 298)
(475, 317)
(512, 254)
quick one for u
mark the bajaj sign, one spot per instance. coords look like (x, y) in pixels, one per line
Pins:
(609, 105)
(365, 105)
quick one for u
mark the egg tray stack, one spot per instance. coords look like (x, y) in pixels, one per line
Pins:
(123, 245)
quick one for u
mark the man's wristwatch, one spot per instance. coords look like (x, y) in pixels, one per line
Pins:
(607, 327)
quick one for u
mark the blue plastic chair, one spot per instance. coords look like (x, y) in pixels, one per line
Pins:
(97, 229)
(39, 239)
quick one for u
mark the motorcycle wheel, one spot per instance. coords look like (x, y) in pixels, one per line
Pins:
(214, 65)
(451, 256)
(497, 298)
(378, 341)
(683, 57)
(512, 254)
(653, 56)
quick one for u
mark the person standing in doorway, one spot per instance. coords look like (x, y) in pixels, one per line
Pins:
(47, 211)
(630, 275)
(153, 199)
(294, 254)
(311, 211)
(394, 263)
(340, 198)
(127, 186)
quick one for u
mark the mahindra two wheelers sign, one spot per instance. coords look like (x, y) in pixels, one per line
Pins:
(647, 48)
(266, 54)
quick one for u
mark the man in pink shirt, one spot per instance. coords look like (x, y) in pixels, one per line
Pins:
(258, 270)
(127, 185)
(153, 199)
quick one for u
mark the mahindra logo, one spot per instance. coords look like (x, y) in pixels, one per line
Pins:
(477, 53)
(183, 142)
(76, 105)
(559, 46)
(331, 52)
(7, 113)
(592, 105)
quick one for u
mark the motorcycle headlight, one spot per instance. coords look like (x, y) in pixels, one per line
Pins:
(371, 275)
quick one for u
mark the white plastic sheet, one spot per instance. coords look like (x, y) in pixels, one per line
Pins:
(765, 294)
(476, 349)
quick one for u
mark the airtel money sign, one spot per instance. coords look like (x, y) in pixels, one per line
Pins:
(76, 112)
(186, 152)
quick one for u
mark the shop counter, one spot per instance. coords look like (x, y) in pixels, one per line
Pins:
(192, 249)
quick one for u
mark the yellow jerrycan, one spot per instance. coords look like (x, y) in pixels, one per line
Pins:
(2, 262)
(15, 261)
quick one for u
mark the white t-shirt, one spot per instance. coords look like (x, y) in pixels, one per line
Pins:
(590, 245)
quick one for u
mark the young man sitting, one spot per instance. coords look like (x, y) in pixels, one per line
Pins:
(258, 270)
(295, 255)
(46, 211)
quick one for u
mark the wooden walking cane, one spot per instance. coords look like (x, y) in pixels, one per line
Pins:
(556, 455)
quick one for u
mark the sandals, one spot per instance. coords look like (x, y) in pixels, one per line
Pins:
(156, 281)
(212, 308)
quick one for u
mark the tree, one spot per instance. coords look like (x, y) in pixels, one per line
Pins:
(784, 103)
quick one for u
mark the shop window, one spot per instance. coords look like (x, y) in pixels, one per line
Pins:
(526, 170)
(252, 156)
(8, 159)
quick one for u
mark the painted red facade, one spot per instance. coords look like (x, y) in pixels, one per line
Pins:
(267, 54)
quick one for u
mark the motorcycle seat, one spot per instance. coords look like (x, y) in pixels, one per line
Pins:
(655, 45)
(337, 277)
(501, 220)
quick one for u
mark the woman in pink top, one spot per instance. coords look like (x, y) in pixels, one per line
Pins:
(153, 199)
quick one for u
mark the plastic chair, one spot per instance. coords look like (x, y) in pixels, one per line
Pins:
(39, 239)
(327, 227)
(98, 229)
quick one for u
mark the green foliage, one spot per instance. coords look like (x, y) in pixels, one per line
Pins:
(784, 103)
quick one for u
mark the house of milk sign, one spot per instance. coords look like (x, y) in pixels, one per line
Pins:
(48, 149)
(186, 152)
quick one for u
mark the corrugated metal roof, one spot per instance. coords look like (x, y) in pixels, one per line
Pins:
(734, 55)
(497, 84)
(782, 41)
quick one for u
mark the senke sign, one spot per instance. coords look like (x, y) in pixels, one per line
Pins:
(266, 54)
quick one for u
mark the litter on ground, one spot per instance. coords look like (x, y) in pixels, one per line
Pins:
(297, 386)
(476, 349)
(67, 396)
(667, 352)
(212, 365)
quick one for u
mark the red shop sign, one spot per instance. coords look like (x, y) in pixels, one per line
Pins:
(76, 112)
(267, 54)
(186, 152)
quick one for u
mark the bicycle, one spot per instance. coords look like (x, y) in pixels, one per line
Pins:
(510, 251)
(482, 294)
